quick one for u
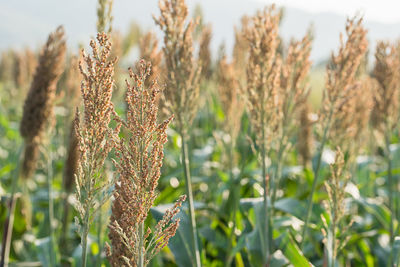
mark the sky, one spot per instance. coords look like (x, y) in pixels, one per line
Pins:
(27, 23)
(385, 11)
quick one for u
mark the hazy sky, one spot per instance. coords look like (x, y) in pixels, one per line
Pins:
(386, 11)
(28, 22)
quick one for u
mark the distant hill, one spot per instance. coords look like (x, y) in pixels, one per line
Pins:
(27, 22)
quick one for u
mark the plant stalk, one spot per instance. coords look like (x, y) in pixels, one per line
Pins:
(65, 223)
(229, 256)
(316, 176)
(265, 201)
(141, 242)
(7, 231)
(84, 238)
(8, 224)
(390, 192)
(188, 181)
(277, 174)
(99, 236)
(51, 209)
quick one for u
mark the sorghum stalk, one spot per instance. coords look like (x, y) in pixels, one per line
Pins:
(229, 256)
(316, 175)
(388, 157)
(265, 241)
(188, 182)
(52, 252)
(9, 222)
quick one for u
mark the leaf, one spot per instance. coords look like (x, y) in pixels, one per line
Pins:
(254, 243)
(43, 246)
(288, 205)
(291, 251)
(372, 206)
(77, 256)
(291, 206)
(396, 250)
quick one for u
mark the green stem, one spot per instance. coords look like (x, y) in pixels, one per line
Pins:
(332, 239)
(316, 176)
(277, 174)
(141, 146)
(265, 202)
(65, 223)
(84, 237)
(141, 242)
(99, 237)
(8, 224)
(229, 255)
(51, 209)
(390, 192)
(188, 180)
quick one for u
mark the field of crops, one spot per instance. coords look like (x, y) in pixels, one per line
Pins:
(181, 158)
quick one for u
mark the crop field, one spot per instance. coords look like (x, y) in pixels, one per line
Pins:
(148, 149)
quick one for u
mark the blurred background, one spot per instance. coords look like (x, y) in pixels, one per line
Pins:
(382, 19)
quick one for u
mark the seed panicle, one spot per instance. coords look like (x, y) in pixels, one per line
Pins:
(140, 158)
(39, 103)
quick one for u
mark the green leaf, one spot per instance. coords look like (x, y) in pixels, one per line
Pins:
(77, 256)
(254, 243)
(43, 246)
(291, 251)
(291, 206)
(372, 206)
(396, 250)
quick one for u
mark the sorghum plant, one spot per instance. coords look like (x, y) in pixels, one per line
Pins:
(385, 114)
(341, 81)
(182, 80)
(94, 135)
(292, 95)
(263, 85)
(233, 107)
(139, 163)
